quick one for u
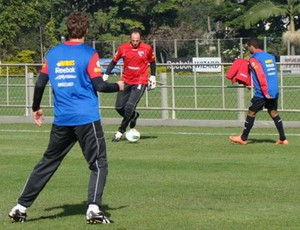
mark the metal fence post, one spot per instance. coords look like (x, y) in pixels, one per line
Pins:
(175, 48)
(114, 48)
(241, 48)
(154, 46)
(164, 96)
(219, 48)
(197, 47)
(241, 105)
(30, 90)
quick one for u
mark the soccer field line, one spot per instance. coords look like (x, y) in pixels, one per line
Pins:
(162, 133)
(224, 134)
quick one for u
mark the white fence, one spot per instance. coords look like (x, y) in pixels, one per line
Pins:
(189, 98)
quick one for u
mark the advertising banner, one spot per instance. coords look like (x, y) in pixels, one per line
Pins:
(179, 68)
(195, 64)
(207, 64)
(290, 63)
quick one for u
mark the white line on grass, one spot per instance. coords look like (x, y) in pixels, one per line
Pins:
(222, 134)
(163, 133)
(24, 131)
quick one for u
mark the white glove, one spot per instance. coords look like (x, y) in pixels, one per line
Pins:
(152, 82)
(105, 77)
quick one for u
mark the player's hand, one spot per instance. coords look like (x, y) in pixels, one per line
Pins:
(152, 82)
(105, 77)
(38, 117)
(121, 85)
(268, 96)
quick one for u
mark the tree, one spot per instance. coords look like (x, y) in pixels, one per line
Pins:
(187, 20)
(266, 10)
(229, 17)
(16, 17)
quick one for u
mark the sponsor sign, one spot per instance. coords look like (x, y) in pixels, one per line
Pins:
(178, 64)
(207, 64)
(195, 64)
(290, 63)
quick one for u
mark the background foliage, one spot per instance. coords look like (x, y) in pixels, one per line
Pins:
(38, 25)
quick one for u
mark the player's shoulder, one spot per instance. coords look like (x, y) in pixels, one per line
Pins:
(62, 47)
(88, 48)
(240, 61)
(53, 51)
(253, 61)
(145, 45)
(54, 48)
(125, 45)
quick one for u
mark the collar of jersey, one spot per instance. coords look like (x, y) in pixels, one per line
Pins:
(72, 43)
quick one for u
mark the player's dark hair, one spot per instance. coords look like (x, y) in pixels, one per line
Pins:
(77, 24)
(255, 42)
(135, 30)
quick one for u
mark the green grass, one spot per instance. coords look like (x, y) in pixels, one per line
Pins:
(173, 178)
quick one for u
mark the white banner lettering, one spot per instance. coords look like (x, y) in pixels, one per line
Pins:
(207, 64)
(290, 63)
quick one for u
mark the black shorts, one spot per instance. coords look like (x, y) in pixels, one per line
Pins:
(258, 104)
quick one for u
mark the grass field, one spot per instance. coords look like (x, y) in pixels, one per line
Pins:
(173, 178)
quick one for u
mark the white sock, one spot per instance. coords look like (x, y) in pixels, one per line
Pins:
(93, 207)
(21, 208)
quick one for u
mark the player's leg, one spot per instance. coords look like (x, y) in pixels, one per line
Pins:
(133, 120)
(121, 100)
(249, 122)
(256, 105)
(137, 91)
(271, 105)
(129, 114)
(93, 145)
(61, 141)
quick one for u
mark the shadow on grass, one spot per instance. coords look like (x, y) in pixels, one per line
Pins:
(256, 141)
(148, 137)
(72, 209)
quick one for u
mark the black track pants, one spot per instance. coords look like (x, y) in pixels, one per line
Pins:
(126, 103)
(62, 139)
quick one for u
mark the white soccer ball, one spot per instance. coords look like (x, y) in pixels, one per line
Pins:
(133, 135)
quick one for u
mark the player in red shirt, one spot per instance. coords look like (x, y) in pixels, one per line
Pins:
(137, 56)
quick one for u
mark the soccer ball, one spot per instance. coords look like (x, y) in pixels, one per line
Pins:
(133, 135)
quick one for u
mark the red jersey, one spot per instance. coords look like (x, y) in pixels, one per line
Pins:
(136, 62)
(239, 72)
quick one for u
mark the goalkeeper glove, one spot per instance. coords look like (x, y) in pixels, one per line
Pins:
(105, 77)
(152, 82)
